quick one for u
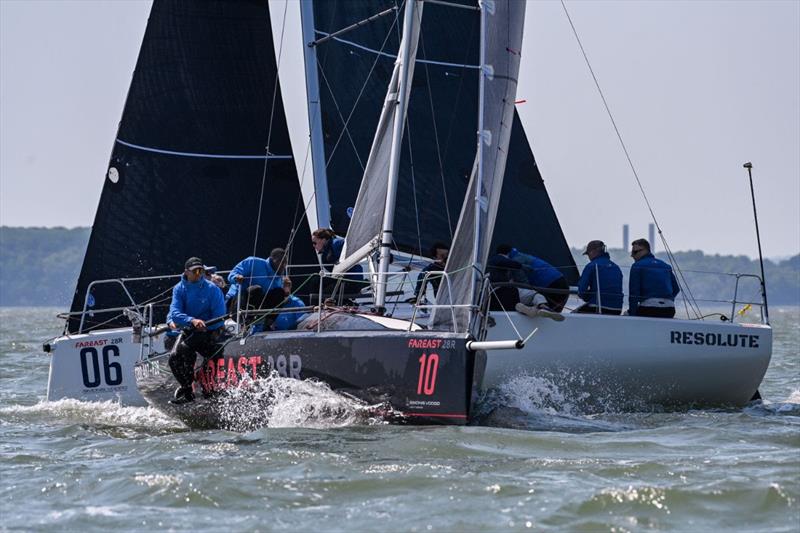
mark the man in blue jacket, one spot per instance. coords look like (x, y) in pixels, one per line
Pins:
(195, 300)
(600, 285)
(546, 280)
(653, 287)
(254, 277)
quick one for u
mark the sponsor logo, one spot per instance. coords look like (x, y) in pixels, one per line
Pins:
(734, 340)
(223, 373)
(425, 343)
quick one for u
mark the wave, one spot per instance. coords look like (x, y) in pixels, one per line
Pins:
(108, 413)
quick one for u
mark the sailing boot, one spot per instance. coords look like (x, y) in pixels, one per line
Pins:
(182, 395)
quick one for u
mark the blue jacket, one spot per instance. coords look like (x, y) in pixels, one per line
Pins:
(330, 256)
(540, 273)
(201, 299)
(501, 269)
(256, 271)
(284, 321)
(289, 320)
(650, 278)
(610, 276)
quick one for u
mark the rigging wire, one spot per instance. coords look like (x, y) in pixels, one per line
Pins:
(269, 137)
(690, 301)
(436, 138)
(320, 62)
(346, 122)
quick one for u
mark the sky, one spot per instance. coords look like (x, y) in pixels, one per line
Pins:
(696, 88)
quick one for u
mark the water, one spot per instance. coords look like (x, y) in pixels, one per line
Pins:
(93, 467)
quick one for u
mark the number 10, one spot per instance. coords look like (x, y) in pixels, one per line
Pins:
(428, 367)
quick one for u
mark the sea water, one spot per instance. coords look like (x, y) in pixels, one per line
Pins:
(539, 465)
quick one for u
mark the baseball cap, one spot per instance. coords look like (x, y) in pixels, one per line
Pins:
(193, 262)
(593, 245)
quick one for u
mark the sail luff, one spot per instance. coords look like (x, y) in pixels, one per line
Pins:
(292, 30)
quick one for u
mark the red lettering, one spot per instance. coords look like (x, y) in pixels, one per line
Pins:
(220, 377)
(425, 343)
(254, 362)
(233, 378)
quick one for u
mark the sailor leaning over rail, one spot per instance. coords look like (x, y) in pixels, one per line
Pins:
(195, 300)
(254, 277)
(600, 285)
(652, 285)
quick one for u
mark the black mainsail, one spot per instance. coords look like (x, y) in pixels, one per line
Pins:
(187, 166)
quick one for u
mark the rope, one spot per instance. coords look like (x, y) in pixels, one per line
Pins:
(436, 138)
(269, 137)
(670, 255)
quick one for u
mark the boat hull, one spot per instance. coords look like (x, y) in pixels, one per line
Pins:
(420, 377)
(634, 363)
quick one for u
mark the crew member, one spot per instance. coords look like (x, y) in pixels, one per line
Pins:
(653, 287)
(546, 280)
(439, 252)
(254, 277)
(195, 300)
(503, 270)
(284, 320)
(600, 277)
(329, 248)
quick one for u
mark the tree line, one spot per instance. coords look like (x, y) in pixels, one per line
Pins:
(40, 266)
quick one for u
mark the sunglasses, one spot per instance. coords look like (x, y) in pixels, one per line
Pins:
(635, 252)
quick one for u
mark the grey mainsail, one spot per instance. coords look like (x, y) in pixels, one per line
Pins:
(368, 214)
(502, 27)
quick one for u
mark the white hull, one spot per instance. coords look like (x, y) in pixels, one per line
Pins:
(631, 363)
(96, 367)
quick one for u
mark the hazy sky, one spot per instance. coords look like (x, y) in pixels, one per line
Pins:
(697, 88)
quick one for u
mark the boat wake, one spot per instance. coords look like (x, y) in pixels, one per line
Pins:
(538, 403)
(788, 407)
(280, 402)
(108, 413)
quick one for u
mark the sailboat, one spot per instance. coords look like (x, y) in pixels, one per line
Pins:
(319, 157)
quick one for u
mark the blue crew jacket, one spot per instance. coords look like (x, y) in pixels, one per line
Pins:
(331, 253)
(540, 273)
(200, 299)
(256, 271)
(650, 278)
(289, 320)
(284, 321)
(610, 284)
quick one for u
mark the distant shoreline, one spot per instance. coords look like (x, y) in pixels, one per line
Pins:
(39, 267)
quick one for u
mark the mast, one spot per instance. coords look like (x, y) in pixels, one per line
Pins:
(394, 161)
(482, 136)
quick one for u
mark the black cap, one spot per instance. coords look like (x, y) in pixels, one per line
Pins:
(192, 263)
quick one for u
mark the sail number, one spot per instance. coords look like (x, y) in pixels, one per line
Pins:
(91, 362)
(428, 368)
